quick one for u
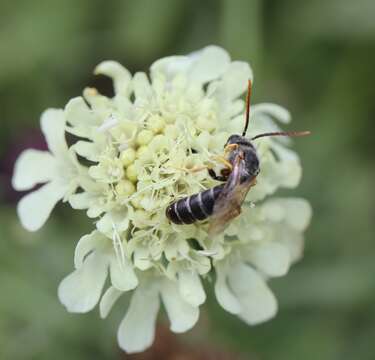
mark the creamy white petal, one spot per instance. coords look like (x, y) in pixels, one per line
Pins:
(274, 210)
(122, 274)
(258, 304)
(224, 294)
(113, 222)
(35, 208)
(235, 126)
(299, 213)
(175, 247)
(80, 291)
(142, 258)
(293, 240)
(275, 111)
(141, 85)
(124, 106)
(191, 288)
(89, 150)
(100, 104)
(234, 80)
(170, 66)
(120, 75)
(80, 201)
(79, 131)
(52, 123)
(272, 259)
(182, 315)
(105, 224)
(33, 167)
(289, 168)
(137, 330)
(77, 113)
(109, 123)
(95, 210)
(211, 63)
(87, 244)
(108, 300)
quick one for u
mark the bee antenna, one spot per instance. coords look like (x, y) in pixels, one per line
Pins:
(283, 133)
(248, 96)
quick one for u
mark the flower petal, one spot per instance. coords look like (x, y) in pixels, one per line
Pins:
(234, 80)
(100, 104)
(89, 150)
(80, 291)
(288, 169)
(275, 111)
(35, 208)
(298, 213)
(113, 222)
(272, 259)
(209, 64)
(292, 240)
(137, 329)
(122, 274)
(170, 66)
(182, 315)
(258, 303)
(77, 113)
(25, 177)
(108, 300)
(142, 258)
(120, 75)
(80, 201)
(87, 244)
(53, 127)
(191, 288)
(224, 294)
(142, 87)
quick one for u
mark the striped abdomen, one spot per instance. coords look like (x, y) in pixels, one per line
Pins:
(195, 207)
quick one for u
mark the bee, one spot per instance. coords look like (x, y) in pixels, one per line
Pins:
(222, 203)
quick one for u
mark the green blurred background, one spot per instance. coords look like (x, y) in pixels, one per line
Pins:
(315, 57)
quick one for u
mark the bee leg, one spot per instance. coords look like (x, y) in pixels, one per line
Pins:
(224, 161)
(197, 168)
(237, 210)
(230, 147)
(217, 177)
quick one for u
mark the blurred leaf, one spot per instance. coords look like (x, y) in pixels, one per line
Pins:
(241, 23)
(144, 28)
(335, 19)
(40, 35)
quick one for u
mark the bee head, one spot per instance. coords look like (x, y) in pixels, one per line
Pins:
(245, 145)
(239, 140)
(249, 152)
(252, 162)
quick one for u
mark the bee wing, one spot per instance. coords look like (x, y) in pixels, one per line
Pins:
(228, 204)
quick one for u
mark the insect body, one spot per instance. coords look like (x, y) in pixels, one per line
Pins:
(245, 167)
(196, 207)
(223, 202)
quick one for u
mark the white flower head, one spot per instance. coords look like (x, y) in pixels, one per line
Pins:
(58, 170)
(146, 147)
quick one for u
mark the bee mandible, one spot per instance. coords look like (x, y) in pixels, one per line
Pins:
(222, 203)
